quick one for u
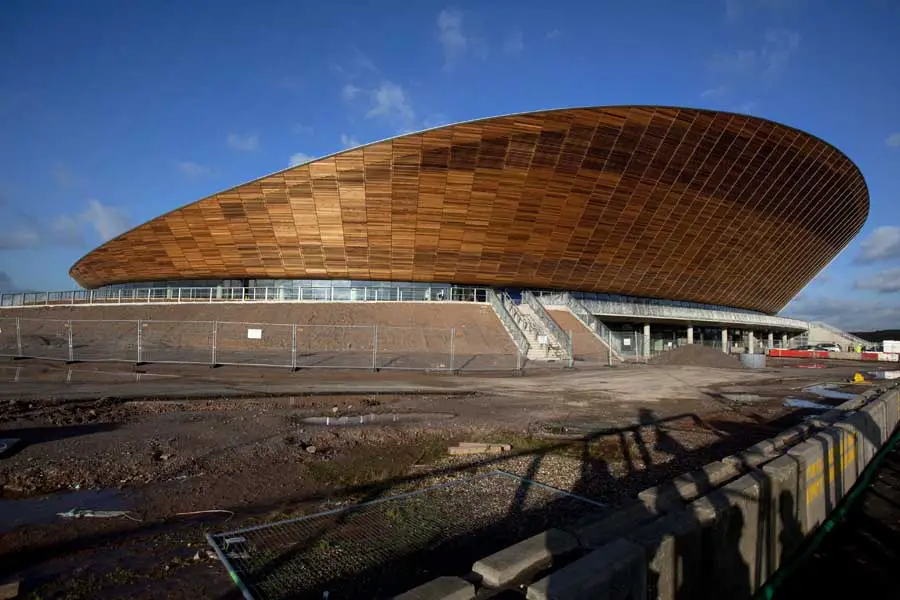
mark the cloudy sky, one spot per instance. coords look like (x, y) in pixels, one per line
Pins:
(113, 112)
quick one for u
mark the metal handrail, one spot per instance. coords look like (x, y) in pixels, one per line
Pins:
(563, 340)
(842, 333)
(498, 303)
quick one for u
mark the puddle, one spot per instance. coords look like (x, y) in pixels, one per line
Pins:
(40, 510)
(827, 392)
(806, 404)
(377, 419)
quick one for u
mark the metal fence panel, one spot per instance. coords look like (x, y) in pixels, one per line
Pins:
(383, 548)
(177, 341)
(104, 340)
(421, 348)
(45, 338)
(260, 344)
(335, 346)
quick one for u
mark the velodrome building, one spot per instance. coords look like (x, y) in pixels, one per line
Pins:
(672, 222)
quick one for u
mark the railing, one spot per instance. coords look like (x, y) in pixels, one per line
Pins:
(248, 294)
(611, 338)
(499, 304)
(563, 339)
(844, 334)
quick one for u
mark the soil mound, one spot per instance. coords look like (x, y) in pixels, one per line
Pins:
(697, 356)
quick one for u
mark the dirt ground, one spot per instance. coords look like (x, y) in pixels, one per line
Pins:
(173, 439)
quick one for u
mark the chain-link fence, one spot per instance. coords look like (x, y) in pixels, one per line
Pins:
(290, 345)
(382, 548)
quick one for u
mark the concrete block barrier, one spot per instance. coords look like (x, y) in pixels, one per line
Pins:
(514, 562)
(599, 532)
(735, 542)
(877, 415)
(673, 547)
(755, 455)
(785, 532)
(441, 588)
(687, 487)
(616, 571)
(810, 461)
(892, 408)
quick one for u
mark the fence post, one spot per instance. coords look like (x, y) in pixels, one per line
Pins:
(571, 349)
(140, 336)
(91, 297)
(452, 340)
(120, 295)
(71, 345)
(215, 333)
(294, 347)
(179, 295)
(374, 347)
(18, 338)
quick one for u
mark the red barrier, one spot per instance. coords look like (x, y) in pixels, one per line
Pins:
(868, 356)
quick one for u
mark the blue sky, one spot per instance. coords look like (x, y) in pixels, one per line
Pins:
(115, 111)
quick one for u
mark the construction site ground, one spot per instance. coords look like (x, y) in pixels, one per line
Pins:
(164, 440)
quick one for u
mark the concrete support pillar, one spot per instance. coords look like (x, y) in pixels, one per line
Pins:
(170, 293)
(751, 343)
(647, 339)
(724, 340)
(281, 293)
(690, 334)
(784, 341)
(771, 340)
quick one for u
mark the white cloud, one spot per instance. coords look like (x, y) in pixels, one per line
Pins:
(884, 281)
(514, 43)
(6, 283)
(451, 36)
(107, 221)
(893, 140)
(243, 142)
(715, 92)
(348, 141)
(553, 34)
(193, 170)
(65, 230)
(849, 314)
(390, 102)
(780, 46)
(749, 107)
(349, 92)
(19, 238)
(882, 244)
(65, 177)
(299, 158)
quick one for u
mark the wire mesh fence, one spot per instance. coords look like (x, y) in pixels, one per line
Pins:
(384, 547)
(287, 345)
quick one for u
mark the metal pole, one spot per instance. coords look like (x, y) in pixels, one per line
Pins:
(18, 338)
(140, 325)
(374, 347)
(120, 295)
(215, 333)
(294, 347)
(179, 295)
(571, 349)
(608, 347)
(91, 297)
(452, 338)
(71, 345)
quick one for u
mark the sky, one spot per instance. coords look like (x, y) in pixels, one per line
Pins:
(113, 112)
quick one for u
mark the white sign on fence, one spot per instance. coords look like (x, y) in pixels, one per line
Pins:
(254, 334)
(626, 341)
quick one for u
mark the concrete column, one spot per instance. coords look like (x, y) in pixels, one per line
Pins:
(690, 334)
(170, 293)
(771, 340)
(724, 340)
(647, 339)
(751, 343)
(784, 341)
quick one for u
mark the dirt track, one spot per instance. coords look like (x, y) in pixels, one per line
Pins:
(249, 454)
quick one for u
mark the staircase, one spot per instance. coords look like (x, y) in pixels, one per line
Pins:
(536, 332)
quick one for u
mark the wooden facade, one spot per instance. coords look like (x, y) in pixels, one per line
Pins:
(673, 203)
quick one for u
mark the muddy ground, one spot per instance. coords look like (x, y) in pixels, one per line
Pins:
(182, 439)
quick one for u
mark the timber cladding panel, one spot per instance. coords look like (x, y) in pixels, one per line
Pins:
(673, 203)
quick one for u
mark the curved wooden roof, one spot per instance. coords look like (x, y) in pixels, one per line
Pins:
(672, 203)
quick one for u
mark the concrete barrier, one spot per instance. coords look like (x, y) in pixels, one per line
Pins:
(785, 532)
(516, 561)
(441, 588)
(673, 547)
(617, 571)
(675, 493)
(875, 412)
